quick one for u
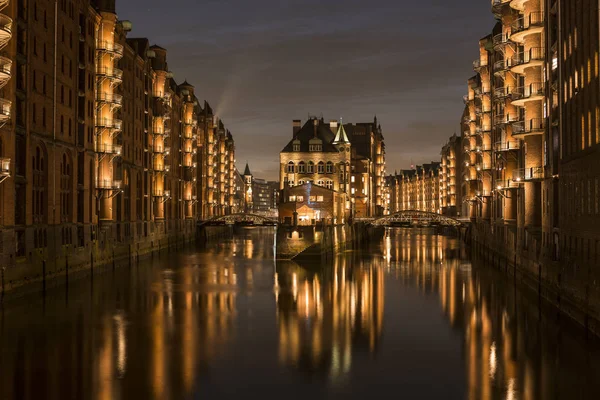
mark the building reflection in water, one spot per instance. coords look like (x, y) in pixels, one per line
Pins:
(165, 328)
(322, 316)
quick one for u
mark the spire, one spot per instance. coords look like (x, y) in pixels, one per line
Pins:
(247, 170)
(340, 136)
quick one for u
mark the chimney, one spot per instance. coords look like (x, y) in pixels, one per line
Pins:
(333, 125)
(296, 125)
(315, 124)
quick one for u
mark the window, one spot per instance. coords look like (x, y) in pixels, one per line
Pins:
(321, 167)
(313, 199)
(352, 179)
(320, 199)
(290, 167)
(329, 184)
(292, 198)
(329, 167)
(299, 199)
(311, 167)
(320, 183)
(301, 167)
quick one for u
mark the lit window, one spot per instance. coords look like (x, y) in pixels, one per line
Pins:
(299, 199)
(292, 198)
(329, 167)
(320, 199)
(352, 179)
(311, 167)
(313, 199)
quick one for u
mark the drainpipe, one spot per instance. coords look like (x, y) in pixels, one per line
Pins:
(54, 111)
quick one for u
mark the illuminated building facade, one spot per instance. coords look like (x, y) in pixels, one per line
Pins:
(416, 189)
(450, 177)
(348, 159)
(101, 150)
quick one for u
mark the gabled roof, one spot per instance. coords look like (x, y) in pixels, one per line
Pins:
(341, 136)
(307, 132)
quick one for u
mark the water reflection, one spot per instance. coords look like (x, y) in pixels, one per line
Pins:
(409, 312)
(322, 316)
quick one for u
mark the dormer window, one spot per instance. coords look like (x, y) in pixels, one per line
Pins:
(296, 145)
(315, 144)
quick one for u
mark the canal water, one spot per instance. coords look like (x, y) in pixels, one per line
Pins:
(410, 317)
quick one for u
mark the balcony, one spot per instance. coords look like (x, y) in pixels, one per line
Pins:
(501, 92)
(114, 74)
(482, 129)
(161, 193)
(110, 47)
(5, 71)
(504, 119)
(482, 110)
(531, 92)
(483, 193)
(479, 65)
(189, 174)
(500, 67)
(511, 145)
(500, 41)
(497, 6)
(108, 148)
(480, 166)
(504, 184)
(527, 25)
(534, 57)
(108, 184)
(5, 30)
(109, 123)
(112, 99)
(528, 174)
(5, 107)
(535, 126)
(481, 149)
(4, 168)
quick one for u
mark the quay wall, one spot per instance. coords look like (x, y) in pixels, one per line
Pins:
(41, 269)
(572, 287)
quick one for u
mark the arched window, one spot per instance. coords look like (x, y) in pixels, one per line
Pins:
(301, 167)
(329, 167)
(320, 183)
(290, 167)
(329, 184)
(321, 167)
(311, 167)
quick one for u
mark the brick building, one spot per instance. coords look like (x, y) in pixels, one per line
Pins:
(346, 158)
(416, 189)
(101, 150)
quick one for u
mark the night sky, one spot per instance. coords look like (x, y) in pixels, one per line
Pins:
(263, 63)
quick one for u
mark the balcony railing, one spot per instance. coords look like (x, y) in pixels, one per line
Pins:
(527, 57)
(500, 66)
(108, 184)
(502, 184)
(483, 166)
(115, 99)
(479, 64)
(4, 167)
(161, 193)
(534, 19)
(500, 40)
(528, 174)
(5, 30)
(109, 72)
(110, 47)
(483, 129)
(5, 70)
(527, 92)
(5, 106)
(108, 148)
(529, 127)
(501, 92)
(483, 193)
(109, 123)
(507, 146)
(505, 118)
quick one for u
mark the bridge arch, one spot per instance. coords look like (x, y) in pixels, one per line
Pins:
(415, 217)
(241, 218)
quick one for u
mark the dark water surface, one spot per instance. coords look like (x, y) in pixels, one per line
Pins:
(410, 318)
